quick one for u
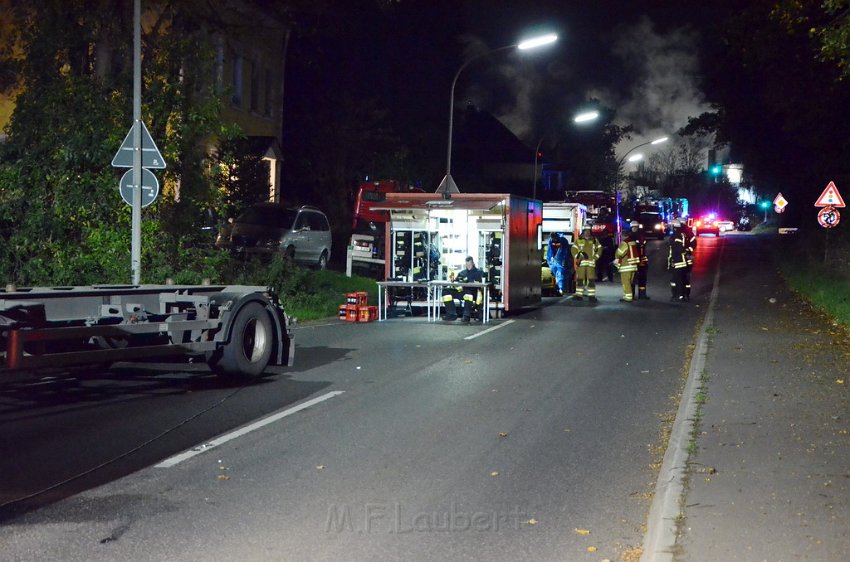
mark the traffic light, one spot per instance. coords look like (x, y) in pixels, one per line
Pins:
(716, 169)
(764, 204)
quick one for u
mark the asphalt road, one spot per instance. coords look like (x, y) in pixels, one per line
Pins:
(426, 445)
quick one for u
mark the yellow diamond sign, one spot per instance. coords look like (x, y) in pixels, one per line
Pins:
(780, 202)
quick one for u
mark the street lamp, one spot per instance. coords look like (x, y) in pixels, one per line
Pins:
(448, 184)
(623, 158)
(585, 117)
(634, 158)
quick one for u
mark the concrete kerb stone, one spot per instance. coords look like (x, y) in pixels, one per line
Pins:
(660, 540)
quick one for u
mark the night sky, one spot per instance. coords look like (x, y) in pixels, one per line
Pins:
(637, 58)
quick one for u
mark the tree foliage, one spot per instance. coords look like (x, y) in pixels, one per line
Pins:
(61, 217)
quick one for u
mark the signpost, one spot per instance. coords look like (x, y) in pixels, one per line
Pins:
(828, 216)
(830, 200)
(779, 203)
(151, 157)
(150, 187)
(138, 187)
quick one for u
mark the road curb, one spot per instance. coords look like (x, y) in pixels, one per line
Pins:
(661, 529)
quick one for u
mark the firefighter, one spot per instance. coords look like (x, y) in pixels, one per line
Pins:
(639, 236)
(468, 295)
(678, 265)
(627, 258)
(690, 249)
(585, 252)
(557, 255)
(605, 262)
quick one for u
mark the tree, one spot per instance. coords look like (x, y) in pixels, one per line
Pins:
(765, 67)
(61, 219)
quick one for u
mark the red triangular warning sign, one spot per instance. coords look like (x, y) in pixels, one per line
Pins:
(830, 197)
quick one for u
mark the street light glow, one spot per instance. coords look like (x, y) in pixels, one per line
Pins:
(659, 141)
(635, 157)
(448, 183)
(537, 42)
(585, 117)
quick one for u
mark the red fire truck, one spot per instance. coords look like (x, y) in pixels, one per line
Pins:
(366, 249)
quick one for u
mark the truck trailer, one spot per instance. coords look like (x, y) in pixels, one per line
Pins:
(238, 330)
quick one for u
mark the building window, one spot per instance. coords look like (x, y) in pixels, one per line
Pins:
(255, 86)
(236, 81)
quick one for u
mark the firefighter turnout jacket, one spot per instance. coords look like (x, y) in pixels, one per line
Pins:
(628, 256)
(677, 257)
(586, 252)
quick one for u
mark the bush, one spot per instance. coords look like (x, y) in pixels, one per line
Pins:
(817, 272)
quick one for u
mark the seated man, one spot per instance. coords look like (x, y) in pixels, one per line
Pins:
(468, 294)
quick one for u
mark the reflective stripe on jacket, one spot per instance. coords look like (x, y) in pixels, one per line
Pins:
(590, 250)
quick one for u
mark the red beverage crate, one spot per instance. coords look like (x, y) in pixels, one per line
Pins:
(351, 313)
(343, 310)
(367, 313)
(360, 298)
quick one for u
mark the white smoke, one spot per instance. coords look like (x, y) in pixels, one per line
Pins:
(665, 88)
(511, 90)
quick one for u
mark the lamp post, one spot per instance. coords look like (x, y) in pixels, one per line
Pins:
(580, 118)
(634, 158)
(448, 184)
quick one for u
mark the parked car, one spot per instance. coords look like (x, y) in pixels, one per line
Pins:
(301, 233)
(726, 225)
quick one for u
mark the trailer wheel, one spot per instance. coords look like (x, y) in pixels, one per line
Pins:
(250, 348)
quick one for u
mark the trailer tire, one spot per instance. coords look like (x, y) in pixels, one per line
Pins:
(323, 261)
(250, 348)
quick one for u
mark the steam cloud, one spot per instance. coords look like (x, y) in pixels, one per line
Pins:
(665, 89)
(662, 94)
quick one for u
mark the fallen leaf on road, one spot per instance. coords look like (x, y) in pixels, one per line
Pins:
(494, 473)
(591, 549)
(320, 467)
(223, 477)
(582, 531)
(532, 521)
(839, 381)
(503, 434)
(765, 329)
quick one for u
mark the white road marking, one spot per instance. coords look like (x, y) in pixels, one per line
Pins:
(502, 325)
(176, 459)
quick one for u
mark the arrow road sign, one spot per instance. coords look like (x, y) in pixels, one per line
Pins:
(151, 157)
(830, 197)
(150, 187)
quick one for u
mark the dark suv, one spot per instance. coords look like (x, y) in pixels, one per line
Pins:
(301, 233)
(652, 224)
